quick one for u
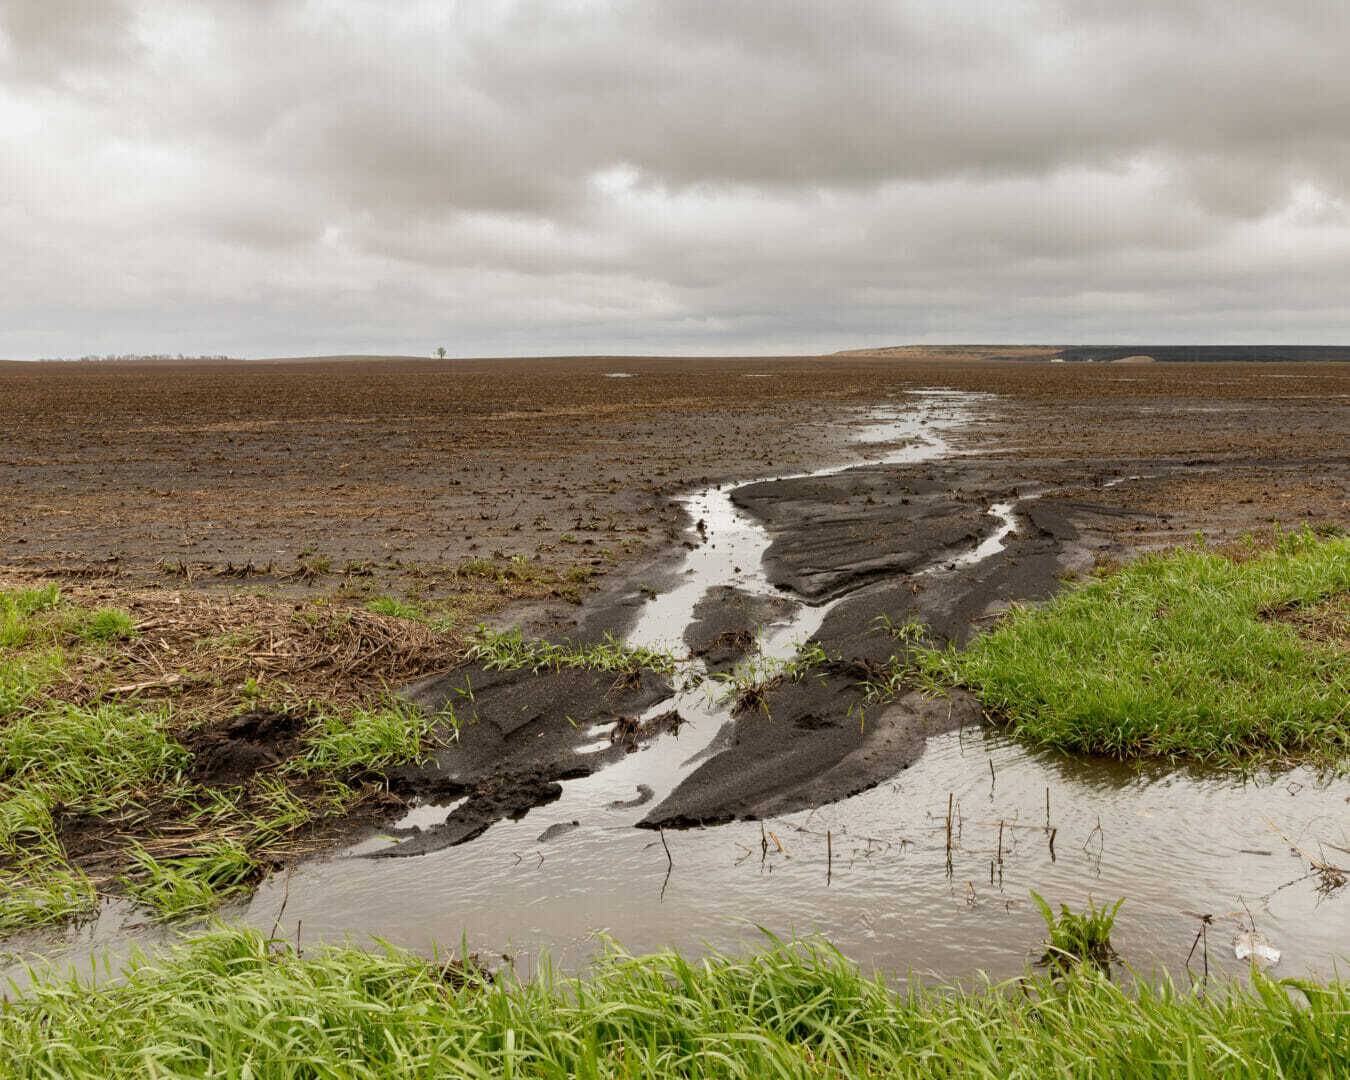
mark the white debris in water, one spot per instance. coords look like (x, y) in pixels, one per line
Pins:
(1257, 946)
(427, 815)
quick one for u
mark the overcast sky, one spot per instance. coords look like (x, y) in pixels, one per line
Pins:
(267, 177)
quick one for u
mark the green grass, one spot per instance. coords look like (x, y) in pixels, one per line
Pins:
(23, 677)
(41, 616)
(233, 1003)
(21, 614)
(1175, 656)
(37, 885)
(85, 758)
(748, 683)
(73, 760)
(1076, 938)
(107, 624)
(41, 890)
(369, 739)
(396, 608)
(194, 883)
(511, 650)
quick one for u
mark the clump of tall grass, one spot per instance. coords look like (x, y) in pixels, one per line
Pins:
(40, 889)
(37, 885)
(85, 757)
(1076, 938)
(511, 650)
(41, 616)
(369, 738)
(396, 608)
(23, 677)
(192, 883)
(1175, 656)
(76, 760)
(234, 1003)
(21, 612)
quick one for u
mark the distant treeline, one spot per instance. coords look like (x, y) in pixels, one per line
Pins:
(1210, 353)
(131, 358)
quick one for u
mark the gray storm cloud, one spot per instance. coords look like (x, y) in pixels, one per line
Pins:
(270, 177)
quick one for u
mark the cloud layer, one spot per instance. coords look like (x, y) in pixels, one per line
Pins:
(267, 177)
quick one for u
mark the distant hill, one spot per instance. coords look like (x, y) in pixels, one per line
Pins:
(1138, 354)
(1211, 354)
(960, 352)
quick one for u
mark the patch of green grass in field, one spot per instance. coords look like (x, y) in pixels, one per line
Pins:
(369, 738)
(194, 883)
(37, 885)
(238, 831)
(511, 650)
(22, 614)
(396, 608)
(24, 676)
(72, 759)
(85, 758)
(106, 624)
(1177, 656)
(233, 1003)
(41, 616)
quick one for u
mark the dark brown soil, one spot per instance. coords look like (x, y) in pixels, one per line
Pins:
(232, 750)
(516, 735)
(725, 624)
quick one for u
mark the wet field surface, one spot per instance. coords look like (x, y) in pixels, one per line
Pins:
(909, 836)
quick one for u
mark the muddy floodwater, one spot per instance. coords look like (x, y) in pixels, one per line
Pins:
(874, 872)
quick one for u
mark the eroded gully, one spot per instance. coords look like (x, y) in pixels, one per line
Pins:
(871, 872)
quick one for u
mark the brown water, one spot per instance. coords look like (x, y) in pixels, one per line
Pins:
(1173, 843)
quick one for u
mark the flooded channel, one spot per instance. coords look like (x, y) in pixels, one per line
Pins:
(874, 872)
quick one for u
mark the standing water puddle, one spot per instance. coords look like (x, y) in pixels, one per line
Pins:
(872, 872)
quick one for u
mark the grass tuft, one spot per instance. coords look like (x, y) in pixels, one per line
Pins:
(83, 757)
(511, 650)
(369, 738)
(106, 624)
(1077, 938)
(396, 608)
(191, 884)
(42, 617)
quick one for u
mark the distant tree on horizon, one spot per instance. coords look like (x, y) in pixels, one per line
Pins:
(440, 352)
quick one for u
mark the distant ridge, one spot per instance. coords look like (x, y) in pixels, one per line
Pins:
(1211, 354)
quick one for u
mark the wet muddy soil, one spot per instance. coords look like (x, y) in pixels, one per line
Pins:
(837, 559)
(516, 736)
(536, 824)
(384, 475)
